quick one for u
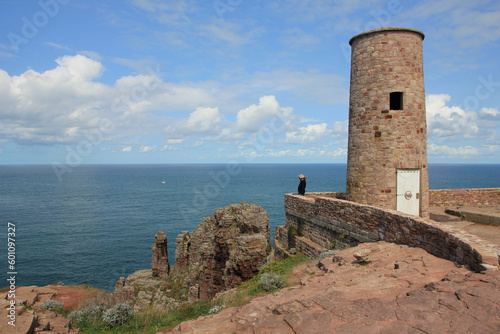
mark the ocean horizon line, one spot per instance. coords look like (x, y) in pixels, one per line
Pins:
(236, 163)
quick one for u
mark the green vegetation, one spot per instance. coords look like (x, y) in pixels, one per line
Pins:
(292, 231)
(117, 315)
(105, 314)
(283, 269)
(270, 282)
(121, 318)
(54, 306)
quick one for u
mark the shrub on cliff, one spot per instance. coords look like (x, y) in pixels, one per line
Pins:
(270, 282)
(76, 316)
(90, 313)
(52, 305)
(118, 315)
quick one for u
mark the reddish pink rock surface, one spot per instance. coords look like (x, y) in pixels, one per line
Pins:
(226, 249)
(159, 259)
(29, 318)
(424, 295)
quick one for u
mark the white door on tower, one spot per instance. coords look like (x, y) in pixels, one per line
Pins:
(408, 191)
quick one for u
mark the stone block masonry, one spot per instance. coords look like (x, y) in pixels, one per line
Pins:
(322, 222)
(387, 121)
(465, 197)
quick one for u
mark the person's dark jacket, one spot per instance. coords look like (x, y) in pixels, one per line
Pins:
(302, 187)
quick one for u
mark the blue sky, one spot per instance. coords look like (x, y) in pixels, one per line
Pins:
(217, 81)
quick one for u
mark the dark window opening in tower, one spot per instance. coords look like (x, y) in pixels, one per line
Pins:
(396, 101)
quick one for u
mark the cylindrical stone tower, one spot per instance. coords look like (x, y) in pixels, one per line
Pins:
(387, 150)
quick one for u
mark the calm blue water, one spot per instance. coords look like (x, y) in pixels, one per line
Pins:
(98, 222)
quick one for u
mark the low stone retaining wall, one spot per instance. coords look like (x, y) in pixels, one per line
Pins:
(332, 223)
(301, 245)
(464, 197)
(477, 215)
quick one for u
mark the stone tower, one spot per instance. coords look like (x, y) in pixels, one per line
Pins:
(387, 150)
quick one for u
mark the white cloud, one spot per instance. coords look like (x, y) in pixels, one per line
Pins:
(147, 148)
(307, 134)
(445, 121)
(449, 126)
(472, 28)
(456, 25)
(47, 107)
(314, 151)
(338, 152)
(175, 141)
(60, 105)
(173, 144)
(251, 118)
(451, 122)
(445, 150)
(201, 122)
(340, 129)
(203, 119)
(281, 153)
(78, 68)
(491, 113)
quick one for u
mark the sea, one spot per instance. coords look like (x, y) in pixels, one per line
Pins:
(92, 224)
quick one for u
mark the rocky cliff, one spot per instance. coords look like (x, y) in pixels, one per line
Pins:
(227, 248)
(159, 260)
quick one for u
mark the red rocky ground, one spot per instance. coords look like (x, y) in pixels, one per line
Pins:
(402, 290)
(31, 319)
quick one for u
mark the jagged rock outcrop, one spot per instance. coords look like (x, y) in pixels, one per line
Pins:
(144, 290)
(227, 248)
(159, 259)
(181, 251)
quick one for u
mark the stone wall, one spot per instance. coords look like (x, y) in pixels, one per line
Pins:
(329, 222)
(465, 197)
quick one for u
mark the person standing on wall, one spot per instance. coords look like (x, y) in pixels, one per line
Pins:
(302, 184)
